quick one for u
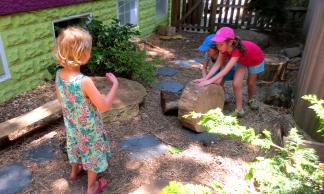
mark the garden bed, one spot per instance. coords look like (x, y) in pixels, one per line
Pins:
(200, 162)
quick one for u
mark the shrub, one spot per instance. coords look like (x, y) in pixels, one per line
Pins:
(112, 51)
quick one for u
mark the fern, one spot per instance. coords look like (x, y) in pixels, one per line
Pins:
(318, 106)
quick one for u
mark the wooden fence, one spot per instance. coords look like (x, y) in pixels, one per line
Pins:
(206, 15)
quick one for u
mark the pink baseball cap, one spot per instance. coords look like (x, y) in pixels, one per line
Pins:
(223, 34)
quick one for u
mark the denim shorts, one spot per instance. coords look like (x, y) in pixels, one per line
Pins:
(254, 69)
(230, 75)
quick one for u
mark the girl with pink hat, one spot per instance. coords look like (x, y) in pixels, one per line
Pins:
(247, 55)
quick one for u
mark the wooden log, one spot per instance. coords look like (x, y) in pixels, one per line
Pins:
(169, 102)
(275, 68)
(200, 100)
(30, 121)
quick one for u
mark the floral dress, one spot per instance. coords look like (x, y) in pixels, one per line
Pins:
(87, 140)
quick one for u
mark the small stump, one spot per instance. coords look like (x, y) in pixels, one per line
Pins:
(275, 67)
(130, 95)
(169, 102)
(200, 100)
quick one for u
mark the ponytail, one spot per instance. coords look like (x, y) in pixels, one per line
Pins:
(239, 45)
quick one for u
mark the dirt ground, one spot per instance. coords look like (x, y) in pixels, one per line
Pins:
(225, 160)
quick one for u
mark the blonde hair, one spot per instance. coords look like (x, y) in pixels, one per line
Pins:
(71, 47)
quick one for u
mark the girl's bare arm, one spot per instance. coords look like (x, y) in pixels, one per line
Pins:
(102, 102)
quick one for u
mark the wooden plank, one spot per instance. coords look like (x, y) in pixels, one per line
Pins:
(198, 14)
(30, 118)
(226, 11)
(206, 12)
(189, 12)
(232, 11)
(238, 15)
(175, 12)
(212, 16)
(221, 5)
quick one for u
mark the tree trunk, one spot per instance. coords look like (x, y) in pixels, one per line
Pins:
(200, 100)
(275, 68)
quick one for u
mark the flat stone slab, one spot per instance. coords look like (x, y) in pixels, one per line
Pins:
(166, 71)
(143, 146)
(41, 154)
(130, 95)
(184, 63)
(14, 178)
(169, 86)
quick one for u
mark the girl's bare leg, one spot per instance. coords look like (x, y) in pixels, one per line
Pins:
(75, 170)
(237, 87)
(251, 82)
(92, 177)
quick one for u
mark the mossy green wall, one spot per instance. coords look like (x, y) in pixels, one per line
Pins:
(28, 39)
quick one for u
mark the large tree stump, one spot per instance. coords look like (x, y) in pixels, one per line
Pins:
(169, 102)
(200, 100)
(130, 95)
(275, 67)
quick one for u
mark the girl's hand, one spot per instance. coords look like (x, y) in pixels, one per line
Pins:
(203, 83)
(196, 81)
(111, 77)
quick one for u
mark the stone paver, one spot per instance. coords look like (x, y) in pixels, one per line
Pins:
(169, 86)
(166, 71)
(143, 146)
(14, 178)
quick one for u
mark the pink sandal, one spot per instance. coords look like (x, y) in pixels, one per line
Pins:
(102, 184)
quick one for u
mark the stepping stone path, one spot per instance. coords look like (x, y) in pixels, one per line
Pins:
(184, 63)
(169, 86)
(41, 154)
(13, 178)
(166, 71)
(143, 146)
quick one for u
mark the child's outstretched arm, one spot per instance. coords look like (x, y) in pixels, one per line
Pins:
(212, 71)
(102, 102)
(222, 73)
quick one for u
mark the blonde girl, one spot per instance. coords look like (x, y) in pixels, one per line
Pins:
(87, 141)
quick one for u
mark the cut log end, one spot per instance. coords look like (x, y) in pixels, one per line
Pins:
(169, 102)
(200, 100)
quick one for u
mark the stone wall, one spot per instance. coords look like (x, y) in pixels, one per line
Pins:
(28, 39)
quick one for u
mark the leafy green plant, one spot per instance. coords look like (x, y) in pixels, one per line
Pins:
(113, 52)
(174, 150)
(178, 188)
(291, 169)
(318, 106)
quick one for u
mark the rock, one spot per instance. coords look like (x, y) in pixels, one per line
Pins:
(279, 94)
(143, 146)
(130, 95)
(14, 178)
(166, 30)
(166, 71)
(60, 186)
(292, 52)
(169, 86)
(260, 39)
(41, 154)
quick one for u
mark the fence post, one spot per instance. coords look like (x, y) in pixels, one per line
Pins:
(175, 12)
(212, 16)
